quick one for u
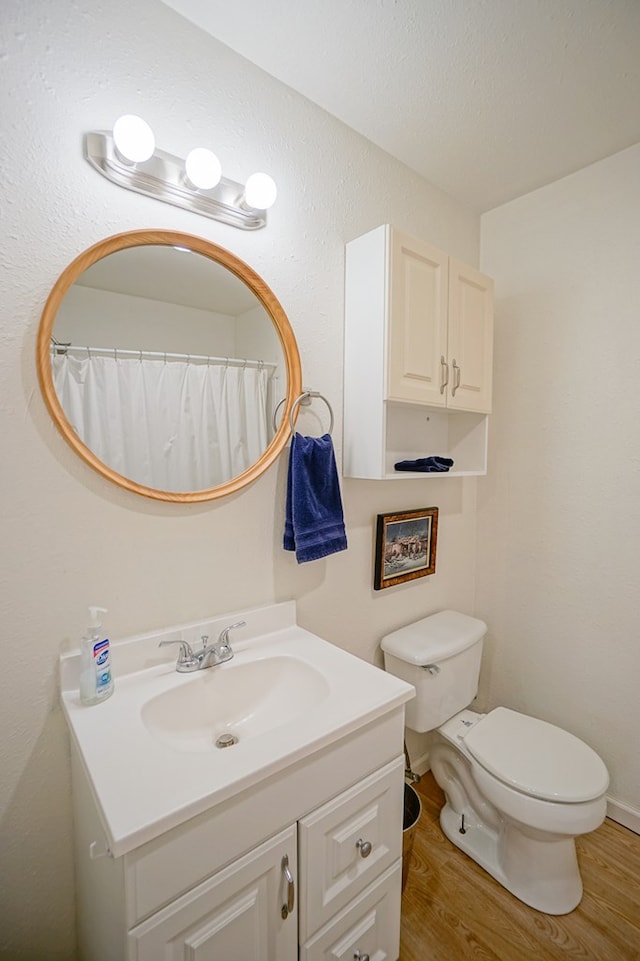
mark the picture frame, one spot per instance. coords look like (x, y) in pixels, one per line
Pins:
(405, 546)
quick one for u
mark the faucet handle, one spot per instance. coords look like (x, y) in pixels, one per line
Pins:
(185, 655)
(223, 639)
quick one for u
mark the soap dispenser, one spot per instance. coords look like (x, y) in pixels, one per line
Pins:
(96, 682)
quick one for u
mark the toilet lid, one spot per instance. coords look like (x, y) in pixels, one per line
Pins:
(536, 758)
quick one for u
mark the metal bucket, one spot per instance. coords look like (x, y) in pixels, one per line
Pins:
(412, 812)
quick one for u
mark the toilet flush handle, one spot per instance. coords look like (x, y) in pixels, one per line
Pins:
(431, 668)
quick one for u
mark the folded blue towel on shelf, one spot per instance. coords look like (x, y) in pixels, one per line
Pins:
(426, 465)
(314, 520)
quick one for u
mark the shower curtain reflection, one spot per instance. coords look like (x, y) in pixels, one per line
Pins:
(167, 424)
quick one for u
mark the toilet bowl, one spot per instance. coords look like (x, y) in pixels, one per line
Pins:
(517, 812)
(518, 790)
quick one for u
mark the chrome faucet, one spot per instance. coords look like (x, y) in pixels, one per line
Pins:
(209, 655)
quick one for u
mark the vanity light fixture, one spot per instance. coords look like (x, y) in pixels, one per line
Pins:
(129, 157)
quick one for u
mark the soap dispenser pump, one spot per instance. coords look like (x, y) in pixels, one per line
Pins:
(96, 681)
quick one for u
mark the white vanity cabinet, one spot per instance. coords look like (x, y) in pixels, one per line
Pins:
(418, 356)
(216, 887)
(286, 845)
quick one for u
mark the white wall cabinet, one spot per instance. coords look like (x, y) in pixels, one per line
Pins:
(215, 887)
(418, 356)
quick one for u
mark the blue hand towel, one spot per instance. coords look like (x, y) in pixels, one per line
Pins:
(314, 522)
(425, 465)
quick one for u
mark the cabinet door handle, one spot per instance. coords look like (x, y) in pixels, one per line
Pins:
(291, 889)
(364, 847)
(445, 373)
(457, 371)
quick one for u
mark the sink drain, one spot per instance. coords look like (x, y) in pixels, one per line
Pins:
(226, 740)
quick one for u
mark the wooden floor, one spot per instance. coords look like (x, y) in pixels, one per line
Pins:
(452, 910)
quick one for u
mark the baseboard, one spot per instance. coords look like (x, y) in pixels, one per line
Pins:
(623, 814)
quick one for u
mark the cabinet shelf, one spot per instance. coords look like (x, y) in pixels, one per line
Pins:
(413, 431)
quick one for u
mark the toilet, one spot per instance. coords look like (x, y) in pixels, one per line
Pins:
(518, 790)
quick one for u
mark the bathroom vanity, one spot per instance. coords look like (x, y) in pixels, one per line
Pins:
(285, 845)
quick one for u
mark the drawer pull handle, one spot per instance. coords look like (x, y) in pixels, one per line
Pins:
(457, 371)
(361, 957)
(364, 847)
(291, 890)
(444, 380)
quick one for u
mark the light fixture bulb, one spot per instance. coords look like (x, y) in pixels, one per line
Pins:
(133, 138)
(203, 168)
(260, 191)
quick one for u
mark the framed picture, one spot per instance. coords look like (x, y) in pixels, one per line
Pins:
(405, 546)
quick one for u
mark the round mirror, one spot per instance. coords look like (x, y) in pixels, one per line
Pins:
(163, 359)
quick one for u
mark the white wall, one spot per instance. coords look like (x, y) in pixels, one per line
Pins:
(559, 511)
(257, 338)
(103, 318)
(69, 538)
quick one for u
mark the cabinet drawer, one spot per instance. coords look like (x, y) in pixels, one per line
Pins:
(370, 925)
(347, 843)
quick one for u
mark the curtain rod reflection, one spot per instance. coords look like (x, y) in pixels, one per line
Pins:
(58, 347)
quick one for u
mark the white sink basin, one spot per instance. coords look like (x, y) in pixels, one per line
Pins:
(149, 750)
(234, 702)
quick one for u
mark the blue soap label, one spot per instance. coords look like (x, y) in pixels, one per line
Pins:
(101, 661)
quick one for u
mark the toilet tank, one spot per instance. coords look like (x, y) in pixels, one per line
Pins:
(439, 655)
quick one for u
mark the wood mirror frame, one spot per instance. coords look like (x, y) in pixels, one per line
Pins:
(245, 273)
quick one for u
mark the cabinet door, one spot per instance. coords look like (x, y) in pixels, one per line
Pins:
(470, 348)
(234, 916)
(347, 843)
(417, 333)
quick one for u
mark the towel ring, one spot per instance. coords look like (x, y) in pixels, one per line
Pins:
(304, 398)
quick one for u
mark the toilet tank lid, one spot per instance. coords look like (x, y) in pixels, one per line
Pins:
(434, 638)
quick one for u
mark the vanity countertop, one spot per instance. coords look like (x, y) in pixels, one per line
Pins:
(145, 783)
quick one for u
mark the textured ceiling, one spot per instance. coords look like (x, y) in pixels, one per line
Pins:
(487, 99)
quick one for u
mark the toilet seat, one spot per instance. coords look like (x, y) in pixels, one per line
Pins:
(536, 758)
